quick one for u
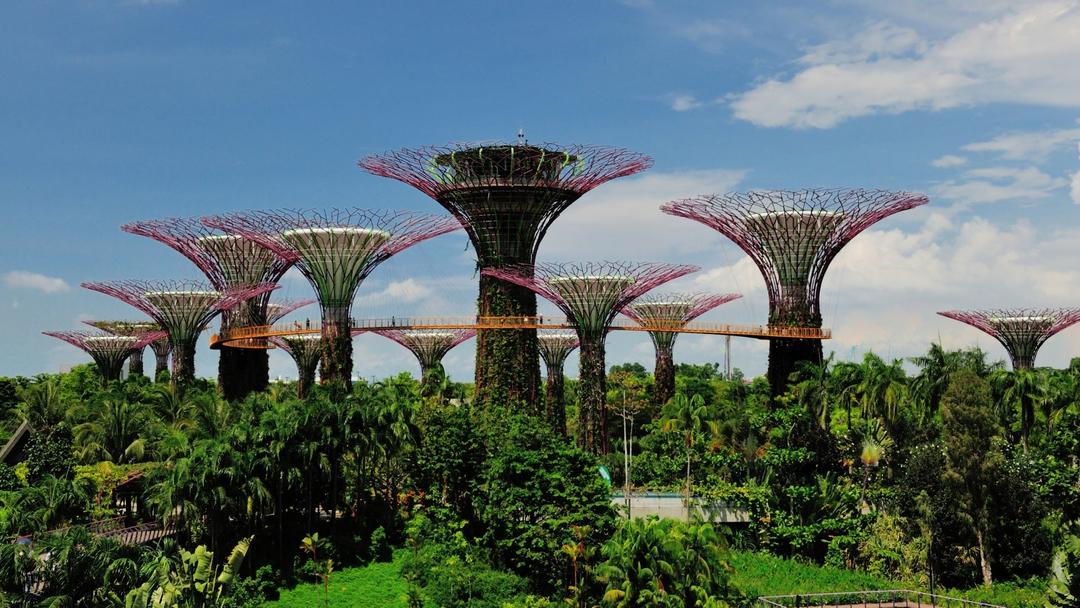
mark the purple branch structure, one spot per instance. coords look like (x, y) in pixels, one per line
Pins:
(134, 328)
(792, 237)
(506, 196)
(228, 261)
(671, 312)
(183, 309)
(591, 295)
(108, 350)
(555, 346)
(305, 350)
(336, 250)
(1022, 331)
(429, 346)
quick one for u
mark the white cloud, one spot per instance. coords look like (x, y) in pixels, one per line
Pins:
(405, 291)
(993, 184)
(1074, 187)
(1026, 56)
(1027, 145)
(683, 103)
(949, 160)
(22, 279)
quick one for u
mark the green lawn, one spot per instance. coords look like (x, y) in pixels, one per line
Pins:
(377, 585)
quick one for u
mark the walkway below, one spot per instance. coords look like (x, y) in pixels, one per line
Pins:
(254, 335)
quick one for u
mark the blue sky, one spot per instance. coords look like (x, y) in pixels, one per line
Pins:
(117, 110)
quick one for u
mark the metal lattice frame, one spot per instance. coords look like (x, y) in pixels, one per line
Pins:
(793, 236)
(277, 310)
(506, 196)
(108, 350)
(306, 351)
(555, 346)
(591, 294)
(429, 346)
(672, 310)
(335, 249)
(183, 309)
(1022, 331)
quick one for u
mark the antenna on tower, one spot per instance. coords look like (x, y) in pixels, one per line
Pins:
(521, 137)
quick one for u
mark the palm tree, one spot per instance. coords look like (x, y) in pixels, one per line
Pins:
(690, 417)
(883, 388)
(812, 384)
(1022, 390)
(41, 405)
(115, 433)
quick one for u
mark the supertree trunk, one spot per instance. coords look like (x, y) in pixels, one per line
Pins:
(555, 399)
(592, 387)
(507, 360)
(304, 382)
(135, 363)
(161, 361)
(183, 368)
(664, 375)
(110, 371)
(336, 366)
(242, 371)
(784, 358)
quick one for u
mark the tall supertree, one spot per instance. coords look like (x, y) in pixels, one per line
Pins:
(792, 237)
(555, 346)
(305, 350)
(591, 294)
(228, 261)
(132, 328)
(664, 315)
(183, 309)
(1022, 331)
(429, 346)
(336, 250)
(107, 350)
(506, 196)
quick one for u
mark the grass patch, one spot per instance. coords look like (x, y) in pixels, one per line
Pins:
(377, 584)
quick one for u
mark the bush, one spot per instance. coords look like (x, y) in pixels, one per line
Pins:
(9, 480)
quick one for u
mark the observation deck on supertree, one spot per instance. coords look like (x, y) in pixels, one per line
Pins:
(792, 237)
(107, 350)
(429, 346)
(336, 250)
(228, 261)
(555, 346)
(1022, 331)
(135, 328)
(506, 196)
(672, 310)
(591, 294)
(306, 351)
(183, 309)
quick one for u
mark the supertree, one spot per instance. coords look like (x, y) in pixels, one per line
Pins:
(1022, 331)
(228, 261)
(132, 328)
(429, 346)
(305, 350)
(336, 250)
(276, 310)
(792, 237)
(665, 315)
(591, 294)
(555, 346)
(108, 350)
(183, 309)
(506, 196)
(162, 349)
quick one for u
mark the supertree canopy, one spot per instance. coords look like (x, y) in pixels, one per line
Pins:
(506, 196)
(591, 295)
(227, 261)
(108, 350)
(792, 237)
(336, 250)
(133, 328)
(665, 315)
(555, 346)
(182, 308)
(428, 345)
(305, 350)
(1022, 331)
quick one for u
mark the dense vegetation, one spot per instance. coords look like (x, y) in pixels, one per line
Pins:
(946, 471)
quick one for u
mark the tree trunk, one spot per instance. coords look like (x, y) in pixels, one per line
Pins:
(555, 399)
(984, 559)
(784, 357)
(664, 373)
(135, 363)
(688, 456)
(507, 360)
(337, 347)
(591, 390)
(183, 359)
